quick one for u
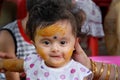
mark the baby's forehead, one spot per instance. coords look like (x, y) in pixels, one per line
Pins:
(51, 30)
(57, 28)
(62, 23)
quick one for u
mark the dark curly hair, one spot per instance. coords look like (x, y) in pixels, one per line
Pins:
(31, 3)
(63, 3)
(47, 13)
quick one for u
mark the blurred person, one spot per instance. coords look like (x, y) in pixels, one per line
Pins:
(112, 28)
(15, 43)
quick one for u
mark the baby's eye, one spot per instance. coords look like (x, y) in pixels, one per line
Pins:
(46, 42)
(63, 42)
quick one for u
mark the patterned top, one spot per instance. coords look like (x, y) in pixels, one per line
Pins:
(93, 24)
(24, 47)
(36, 69)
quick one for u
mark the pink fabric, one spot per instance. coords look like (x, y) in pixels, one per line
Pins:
(107, 59)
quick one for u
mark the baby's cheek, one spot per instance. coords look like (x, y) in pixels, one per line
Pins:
(41, 53)
(69, 54)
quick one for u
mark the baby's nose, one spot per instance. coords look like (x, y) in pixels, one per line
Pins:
(55, 47)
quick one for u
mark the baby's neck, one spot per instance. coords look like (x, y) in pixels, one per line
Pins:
(56, 66)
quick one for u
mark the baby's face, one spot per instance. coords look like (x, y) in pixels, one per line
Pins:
(55, 43)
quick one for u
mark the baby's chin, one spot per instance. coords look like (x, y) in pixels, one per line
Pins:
(56, 64)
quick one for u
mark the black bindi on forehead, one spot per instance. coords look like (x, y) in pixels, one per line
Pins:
(55, 37)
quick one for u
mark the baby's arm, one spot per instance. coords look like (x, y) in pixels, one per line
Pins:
(12, 65)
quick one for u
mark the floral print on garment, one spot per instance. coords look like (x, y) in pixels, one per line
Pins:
(37, 70)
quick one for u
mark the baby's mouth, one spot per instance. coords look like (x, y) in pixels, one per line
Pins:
(56, 56)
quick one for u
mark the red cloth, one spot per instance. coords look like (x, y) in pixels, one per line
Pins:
(104, 3)
(21, 9)
(93, 45)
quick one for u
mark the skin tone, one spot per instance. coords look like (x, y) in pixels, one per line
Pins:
(55, 43)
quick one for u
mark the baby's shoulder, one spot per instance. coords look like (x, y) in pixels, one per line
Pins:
(32, 59)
